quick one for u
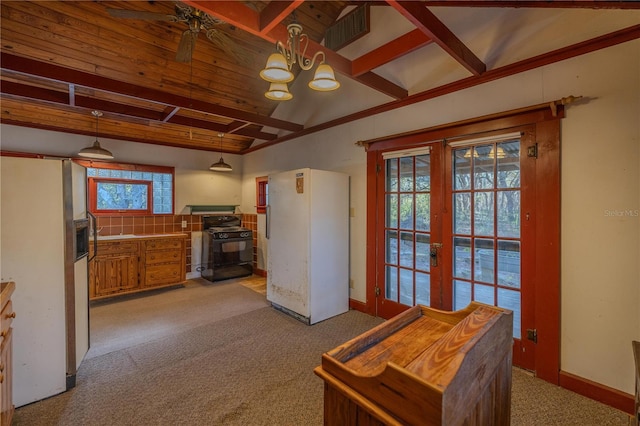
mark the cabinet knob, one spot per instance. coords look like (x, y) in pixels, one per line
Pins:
(1, 367)
(1, 378)
(11, 315)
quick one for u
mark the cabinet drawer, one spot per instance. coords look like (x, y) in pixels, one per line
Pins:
(163, 256)
(174, 243)
(163, 274)
(6, 319)
(117, 247)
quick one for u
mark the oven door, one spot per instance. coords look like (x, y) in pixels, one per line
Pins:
(233, 251)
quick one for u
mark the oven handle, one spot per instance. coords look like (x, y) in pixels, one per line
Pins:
(267, 211)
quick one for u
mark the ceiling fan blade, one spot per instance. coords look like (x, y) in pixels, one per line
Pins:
(228, 46)
(185, 48)
(140, 14)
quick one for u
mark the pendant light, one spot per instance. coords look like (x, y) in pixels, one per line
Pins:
(220, 166)
(96, 151)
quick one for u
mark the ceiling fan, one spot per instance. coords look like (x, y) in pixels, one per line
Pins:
(197, 21)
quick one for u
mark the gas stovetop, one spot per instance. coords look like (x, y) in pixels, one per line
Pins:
(225, 232)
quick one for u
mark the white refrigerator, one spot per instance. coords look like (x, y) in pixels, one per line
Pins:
(43, 248)
(308, 243)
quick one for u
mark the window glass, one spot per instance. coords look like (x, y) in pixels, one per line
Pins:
(117, 189)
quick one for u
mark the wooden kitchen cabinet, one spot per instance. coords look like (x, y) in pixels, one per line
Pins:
(6, 352)
(133, 263)
(115, 269)
(163, 262)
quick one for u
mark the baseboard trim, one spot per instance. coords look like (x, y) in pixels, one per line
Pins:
(599, 392)
(358, 306)
(260, 272)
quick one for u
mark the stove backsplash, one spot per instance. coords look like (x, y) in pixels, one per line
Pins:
(163, 224)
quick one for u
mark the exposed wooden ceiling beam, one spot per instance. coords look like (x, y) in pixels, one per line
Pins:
(578, 49)
(275, 12)
(426, 21)
(80, 78)
(58, 97)
(249, 20)
(386, 53)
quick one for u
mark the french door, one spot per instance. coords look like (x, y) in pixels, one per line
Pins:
(453, 227)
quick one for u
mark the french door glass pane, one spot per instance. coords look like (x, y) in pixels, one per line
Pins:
(483, 294)
(406, 287)
(462, 257)
(408, 223)
(423, 212)
(483, 167)
(406, 174)
(423, 289)
(392, 175)
(509, 263)
(406, 211)
(509, 165)
(422, 251)
(487, 213)
(483, 213)
(462, 169)
(462, 213)
(406, 249)
(423, 173)
(461, 294)
(392, 247)
(508, 208)
(391, 284)
(392, 210)
(484, 265)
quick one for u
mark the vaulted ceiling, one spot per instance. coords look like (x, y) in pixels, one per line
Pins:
(60, 60)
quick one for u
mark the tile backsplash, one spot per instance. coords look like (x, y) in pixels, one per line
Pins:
(163, 224)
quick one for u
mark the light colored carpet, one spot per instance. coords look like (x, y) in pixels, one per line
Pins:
(252, 367)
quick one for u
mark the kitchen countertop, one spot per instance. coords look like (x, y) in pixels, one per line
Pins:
(137, 236)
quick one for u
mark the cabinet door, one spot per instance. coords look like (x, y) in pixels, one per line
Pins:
(114, 274)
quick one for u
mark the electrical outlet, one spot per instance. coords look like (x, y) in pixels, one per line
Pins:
(350, 283)
(184, 224)
(352, 212)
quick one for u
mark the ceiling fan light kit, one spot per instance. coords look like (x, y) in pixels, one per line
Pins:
(279, 64)
(96, 151)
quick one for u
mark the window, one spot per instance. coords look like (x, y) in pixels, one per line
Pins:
(262, 194)
(129, 189)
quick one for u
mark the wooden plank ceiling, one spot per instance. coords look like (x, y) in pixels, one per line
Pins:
(62, 59)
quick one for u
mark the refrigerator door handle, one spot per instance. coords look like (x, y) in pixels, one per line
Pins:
(94, 231)
(267, 211)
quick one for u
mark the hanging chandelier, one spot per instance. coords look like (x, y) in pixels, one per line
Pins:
(279, 65)
(220, 166)
(96, 151)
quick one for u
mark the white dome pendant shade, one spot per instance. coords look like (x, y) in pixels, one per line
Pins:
(324, 80)
(276, 70)
(278, 92)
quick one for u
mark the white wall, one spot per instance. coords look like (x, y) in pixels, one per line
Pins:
(600, 257)
(195, 183)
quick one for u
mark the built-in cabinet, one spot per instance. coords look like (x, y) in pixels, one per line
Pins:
(6, 352)
(137, 263)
